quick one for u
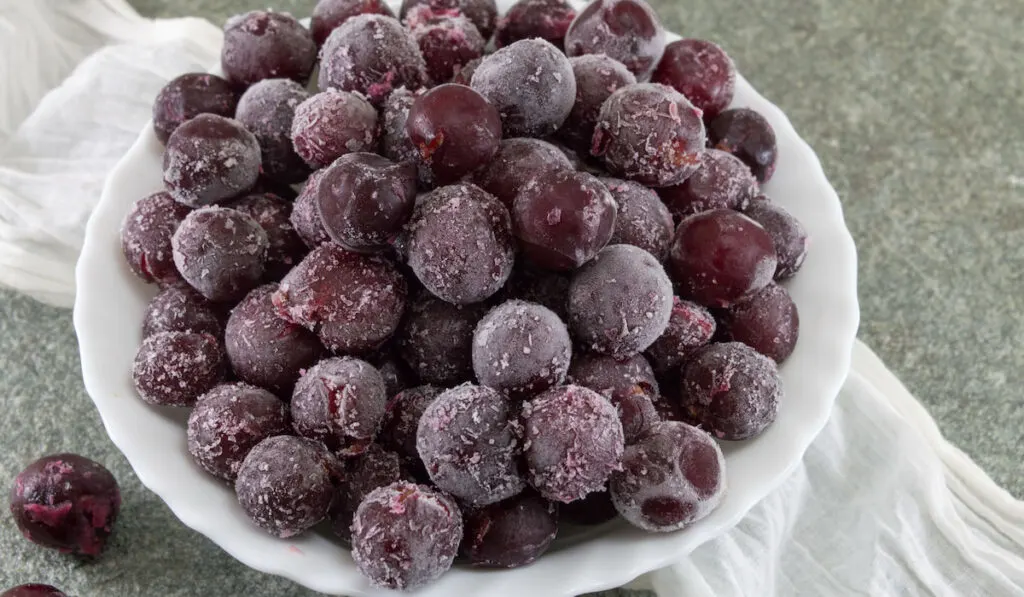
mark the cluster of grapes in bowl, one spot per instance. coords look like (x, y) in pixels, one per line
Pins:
(518, 286)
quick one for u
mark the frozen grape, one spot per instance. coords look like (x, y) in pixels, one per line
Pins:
(701, 71)
(436, 340)
(788, 235)
(179, 308)
(176, 368)
(395, 142)
(689, 327)
(517, 164)
(597, 77)
(447, 42)
(628, 383)
(627, 30)
(328, 15)
(188, 96)
(267, 110)
(747, 135)
(228, 421)
(768, 322)
(220, 252)
(340, 401)
(527, 19)
(511, 533)
(210, 159)
(722, 182)
(285, 248)
(334, 123)
(305, 216)
(483, 13)
(597, 508)
(470, 440)
(146, 237)
(670, 479)
(33, 590)
(402, 420)
(263, 44)
(642, 220)
(375, 467)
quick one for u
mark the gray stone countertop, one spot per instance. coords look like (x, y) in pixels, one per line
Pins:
(916, 111)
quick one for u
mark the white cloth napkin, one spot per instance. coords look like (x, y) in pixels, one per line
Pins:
(882, 505)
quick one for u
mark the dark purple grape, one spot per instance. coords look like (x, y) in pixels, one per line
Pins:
(670, 479)
(402, 420)
(521, 348)
(627, 30)
(436, 340)
(531, 84)
(33, 590)
(628, 383)
(788, 235)
(747, 135)
(470, 440)
(285, 247)
(305, 216)
(332, 124)
(527, 19)
(266, 350)
(395, 142)
(731, 390)
(146, 237)
(220, 252)
(642, 220)
(353, 302)
(66, 502)
(518, 163)
(563, 219)
(328, 15)
(375, 467)
(228, 421)
(460, 244)
(189, 95)
(447, 42)
(651, 134)
(267, 110)
(573, 442)
(372, 54)
(464, 75)
(262, 45)
(597, 508)
(720, 257)
(176, 368)
(701, 71)
(597, 77)
(543, 287)
(768, 322)
(210, 159)
(179, 308)
(483, 13)
(455, 130)
(722, 182)
(405, 535)
(286, 484)
(620, 302)
(511, 533)
(364, 200)
(689, 327)
(340, 401)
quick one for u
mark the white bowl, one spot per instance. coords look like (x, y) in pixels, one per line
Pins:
(110, 306)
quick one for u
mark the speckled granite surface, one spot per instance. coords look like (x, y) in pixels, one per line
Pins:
(917, 111)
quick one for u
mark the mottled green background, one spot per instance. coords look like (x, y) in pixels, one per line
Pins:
(916, 111)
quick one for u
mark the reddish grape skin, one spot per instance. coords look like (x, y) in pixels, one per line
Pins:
(670, 479)
(353, 302)
(373, 55)
(364, 200)
(267, 110)
(405, 535)
(264, 349)
(731, 391)
(33, 590)
(460, 244)
(788, 235)
(229, 421)
(597, 77)
(180, 308)
(595, 509)
(628, 383)
(722, 182)
(483, 13)
(517, 163)
(531, 83)
(689, 327)
(700, 70)
(340, 402)
(176, 368)
(469, 439)
(748, 136)
(455, 129)
(189, 95)
(447, 42)
(286, 484)
(528, 19)
(262, 45)
(563, 219)
(768, 322)
(511, 533)
(395, 142)
(146, 237)
(620, 302)
(210, 159)
(285, 248)
(66, 502)
(521, 349)
(436, 340)
(305, 216)
(720, 257)
(328, 15)
(334, 123)
(402, 420)
(651, 134)
(220, 252)
(573, 443)
(627, 30)
(642, 220)
(375, 467)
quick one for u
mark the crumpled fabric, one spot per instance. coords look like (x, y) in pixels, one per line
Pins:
(881, 504)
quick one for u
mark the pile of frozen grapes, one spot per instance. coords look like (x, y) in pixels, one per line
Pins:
(530, 275)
